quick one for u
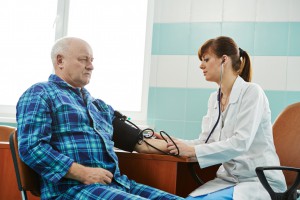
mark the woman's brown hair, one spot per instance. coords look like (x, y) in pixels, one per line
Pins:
(226, 46)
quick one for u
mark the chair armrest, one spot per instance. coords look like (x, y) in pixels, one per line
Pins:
(290, 193)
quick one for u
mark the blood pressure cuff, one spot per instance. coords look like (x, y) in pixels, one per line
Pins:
(125, 135)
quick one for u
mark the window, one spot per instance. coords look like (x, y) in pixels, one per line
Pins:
(115, 29)
(27, 35)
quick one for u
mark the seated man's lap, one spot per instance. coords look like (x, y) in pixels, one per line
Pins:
(116, 192)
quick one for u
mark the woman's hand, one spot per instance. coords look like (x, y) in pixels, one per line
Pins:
(157, 135)
(184, 149)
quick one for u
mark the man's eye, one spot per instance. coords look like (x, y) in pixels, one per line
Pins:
(86, 59)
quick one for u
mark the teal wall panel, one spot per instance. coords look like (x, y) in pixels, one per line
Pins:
(280, 99)
(200, 32)
(167, 103)
(8, 124)
(242, 33)
(258, 38)
(271, 38)
(170, 39)
(196, 106)
(172, 127)
(294, 39)
(192, 130)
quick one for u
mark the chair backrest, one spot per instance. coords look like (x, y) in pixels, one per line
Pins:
(286, 130)
(27, 178)
(5, 132)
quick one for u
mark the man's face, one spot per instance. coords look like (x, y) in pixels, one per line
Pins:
(76, 64)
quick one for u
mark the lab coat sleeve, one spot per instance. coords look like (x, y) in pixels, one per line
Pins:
(251, 105)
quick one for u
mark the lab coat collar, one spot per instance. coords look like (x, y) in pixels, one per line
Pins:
(236, 89)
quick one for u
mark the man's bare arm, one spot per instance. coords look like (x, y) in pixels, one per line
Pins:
(145, 148)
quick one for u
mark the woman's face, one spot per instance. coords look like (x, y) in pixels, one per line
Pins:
(211, 67)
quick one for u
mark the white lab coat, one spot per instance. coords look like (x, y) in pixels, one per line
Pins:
(242, 141)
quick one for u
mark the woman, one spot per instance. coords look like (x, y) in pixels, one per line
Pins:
(237, 130)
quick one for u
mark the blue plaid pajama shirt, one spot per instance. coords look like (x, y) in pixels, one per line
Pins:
(59, 125)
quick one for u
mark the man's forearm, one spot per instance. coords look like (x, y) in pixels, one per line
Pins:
(145, 148)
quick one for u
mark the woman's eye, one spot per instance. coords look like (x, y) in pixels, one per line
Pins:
(206, 60)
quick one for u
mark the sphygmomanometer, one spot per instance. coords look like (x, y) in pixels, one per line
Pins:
(126, 134)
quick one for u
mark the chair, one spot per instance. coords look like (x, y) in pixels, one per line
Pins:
(286, 131)
(6, 165)
(28, 179)
(5, 132)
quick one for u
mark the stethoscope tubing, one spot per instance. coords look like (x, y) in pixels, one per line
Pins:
(219, 105)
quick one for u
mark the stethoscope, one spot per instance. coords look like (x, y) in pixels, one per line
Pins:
(219, 103)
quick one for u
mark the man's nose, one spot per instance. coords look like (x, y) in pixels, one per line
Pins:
(90, 66)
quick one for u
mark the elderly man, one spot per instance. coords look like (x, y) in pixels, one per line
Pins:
(65, 134)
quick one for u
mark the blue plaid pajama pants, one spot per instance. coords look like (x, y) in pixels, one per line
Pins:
(115, 191)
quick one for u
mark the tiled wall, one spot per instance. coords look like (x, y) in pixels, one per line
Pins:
(268, 29)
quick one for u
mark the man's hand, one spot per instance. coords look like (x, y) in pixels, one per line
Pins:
(89, 175)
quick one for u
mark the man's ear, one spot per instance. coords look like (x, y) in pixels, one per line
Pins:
(59, 61)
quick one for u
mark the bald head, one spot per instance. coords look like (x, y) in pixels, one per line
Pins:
(63, 46)
(72, 60)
